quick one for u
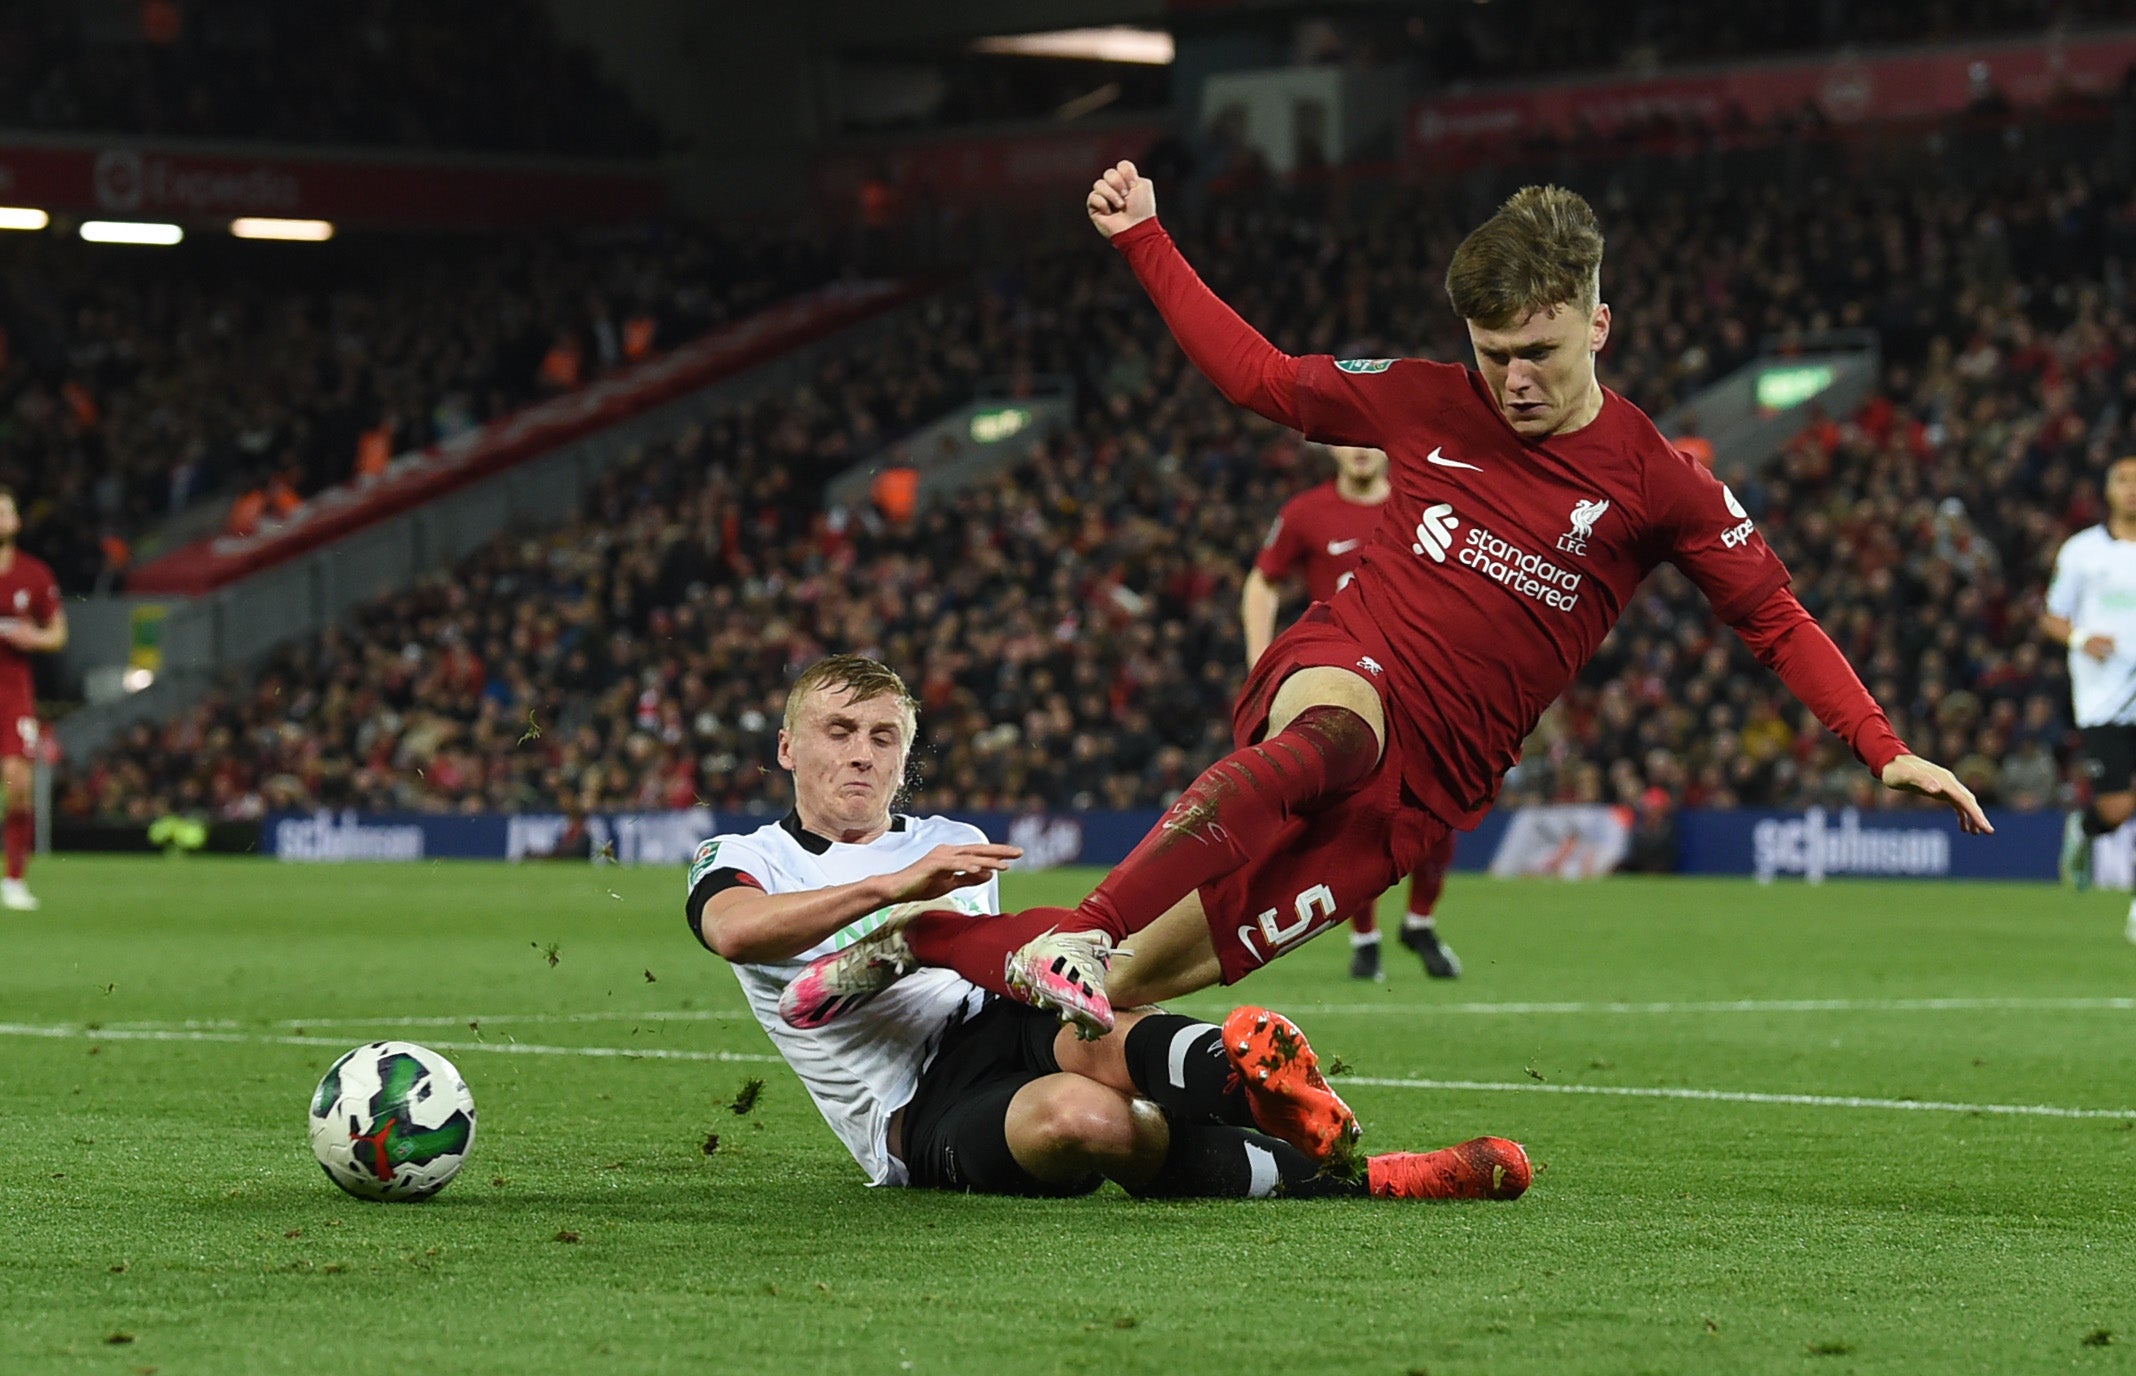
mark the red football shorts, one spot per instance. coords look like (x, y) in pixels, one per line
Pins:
(1334, 861)
(19, 731)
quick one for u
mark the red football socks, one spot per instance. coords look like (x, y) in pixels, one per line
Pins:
(21, 831)
(979, 948)
(1243, 806)
(1429, 879)
(1240, 808)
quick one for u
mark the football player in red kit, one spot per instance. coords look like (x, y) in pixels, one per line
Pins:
(1320, 533)
(31, 622)
(1529, 502)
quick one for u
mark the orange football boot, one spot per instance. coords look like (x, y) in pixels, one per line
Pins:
(1480, 1168)
(1284, 1088)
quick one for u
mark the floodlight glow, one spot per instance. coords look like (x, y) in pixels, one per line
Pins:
(22, 217)
(1120, 43)
(299, 231)
(130, 232)
(992, 427)
(1784, 388)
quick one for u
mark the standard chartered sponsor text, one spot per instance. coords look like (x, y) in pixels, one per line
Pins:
(1530, 575)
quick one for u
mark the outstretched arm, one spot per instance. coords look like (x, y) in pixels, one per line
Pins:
(31, 638)
(1257, 608)
(2060, 629)
(743, 923)
(1786, 639)
(1245, 367)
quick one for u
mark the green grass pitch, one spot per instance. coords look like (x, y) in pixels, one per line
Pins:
(159, 1209)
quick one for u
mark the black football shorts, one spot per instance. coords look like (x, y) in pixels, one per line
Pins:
(956, 1127)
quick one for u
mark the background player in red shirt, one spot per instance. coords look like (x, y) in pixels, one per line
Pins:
(31, 622)
(1321, 533)
(1529, 502)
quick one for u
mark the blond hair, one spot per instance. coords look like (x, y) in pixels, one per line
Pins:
(866, 679)
(1542, 249)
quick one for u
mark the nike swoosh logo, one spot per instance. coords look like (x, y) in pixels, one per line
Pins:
(1337, 548)
(1433, 457)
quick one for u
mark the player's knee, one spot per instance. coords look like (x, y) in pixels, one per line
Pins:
(1081, 1122)
(1345, 742)
(2115, 808)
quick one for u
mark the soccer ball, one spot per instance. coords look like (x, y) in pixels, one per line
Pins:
(392, 1120)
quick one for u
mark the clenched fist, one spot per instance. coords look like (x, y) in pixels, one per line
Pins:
(1120, 198)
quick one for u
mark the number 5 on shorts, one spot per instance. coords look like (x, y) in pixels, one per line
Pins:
(1315, 908)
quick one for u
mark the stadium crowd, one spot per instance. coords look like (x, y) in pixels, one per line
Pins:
(1528, 38)
(1072, 627)
(132, 386)
(381, 72)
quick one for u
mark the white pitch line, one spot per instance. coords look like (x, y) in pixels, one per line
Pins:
(1917, 1005)
(1922, 1005)
(510, 1048)
(1731, 1096)
(1720, 1096)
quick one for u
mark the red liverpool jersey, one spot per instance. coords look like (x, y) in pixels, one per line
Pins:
(1500, 563)
(1321, 532)
(1503, 562)
(28, 594)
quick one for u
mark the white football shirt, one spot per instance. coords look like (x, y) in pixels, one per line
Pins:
(864, 1066)
(2095, 587)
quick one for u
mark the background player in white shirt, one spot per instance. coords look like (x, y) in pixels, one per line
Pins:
(934, 1082)
(2091, 608)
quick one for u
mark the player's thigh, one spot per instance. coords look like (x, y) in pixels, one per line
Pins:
(1105, 1059)
(1347, 857)
(15, 779)
(965, 1145)
(1059, 1128)
(1324, 685)
(1171, 958)
(2110, 763)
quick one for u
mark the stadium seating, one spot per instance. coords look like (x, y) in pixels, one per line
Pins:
(383, 73)
(137, 386)
(1072, 627)
(1482, 42)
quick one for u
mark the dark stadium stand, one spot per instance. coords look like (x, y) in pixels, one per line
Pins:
(384, 73)
(137, 387)
(1072, 628)
(1526, 38)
